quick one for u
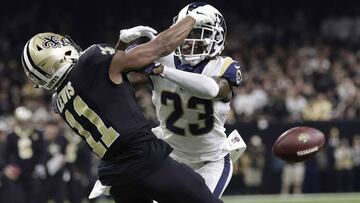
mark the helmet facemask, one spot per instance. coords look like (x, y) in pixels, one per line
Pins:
(197, 46)
(205, 41)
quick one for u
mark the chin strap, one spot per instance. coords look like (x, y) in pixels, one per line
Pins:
(199, 85)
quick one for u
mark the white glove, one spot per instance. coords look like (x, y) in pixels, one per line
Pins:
(99, 189)
(202, 15)
(128, 35)
(55, 164)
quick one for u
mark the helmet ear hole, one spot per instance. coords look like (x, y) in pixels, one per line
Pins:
(38, 48)
(68, 53)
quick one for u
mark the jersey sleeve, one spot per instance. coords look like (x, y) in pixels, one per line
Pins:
(231, 72)
(93, 62)
(99, 55)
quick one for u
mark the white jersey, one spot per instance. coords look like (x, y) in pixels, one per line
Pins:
(194, 127)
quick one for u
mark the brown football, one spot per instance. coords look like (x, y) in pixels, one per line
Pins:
(298, 144)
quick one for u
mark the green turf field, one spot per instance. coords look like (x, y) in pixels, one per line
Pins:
(307, 198)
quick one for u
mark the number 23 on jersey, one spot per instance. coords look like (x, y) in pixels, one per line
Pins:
(205, 119)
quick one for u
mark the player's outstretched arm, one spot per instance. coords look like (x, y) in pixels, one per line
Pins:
(162, 45)
(144, 54)
(198, 85)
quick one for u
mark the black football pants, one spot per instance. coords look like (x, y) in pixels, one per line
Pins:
(172, 182)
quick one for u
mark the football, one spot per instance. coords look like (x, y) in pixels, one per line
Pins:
(298, 144)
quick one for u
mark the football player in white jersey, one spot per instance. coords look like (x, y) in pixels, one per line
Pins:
(192, 89)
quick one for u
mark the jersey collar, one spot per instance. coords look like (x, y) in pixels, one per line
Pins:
(188, 68)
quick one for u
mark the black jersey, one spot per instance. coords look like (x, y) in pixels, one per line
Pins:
(25, 150)
(105, 114)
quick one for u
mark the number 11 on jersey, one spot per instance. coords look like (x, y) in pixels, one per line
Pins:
(108, 135)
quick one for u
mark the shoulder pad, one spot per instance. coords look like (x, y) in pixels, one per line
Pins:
(231, 71)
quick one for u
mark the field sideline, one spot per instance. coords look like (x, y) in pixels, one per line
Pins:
(305, 198)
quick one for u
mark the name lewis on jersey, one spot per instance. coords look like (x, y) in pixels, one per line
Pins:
(64, 96)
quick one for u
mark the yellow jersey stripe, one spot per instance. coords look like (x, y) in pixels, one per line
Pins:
(227, 62)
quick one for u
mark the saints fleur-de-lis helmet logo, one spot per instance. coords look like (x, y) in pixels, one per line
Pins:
(303, 137)
(51, 41)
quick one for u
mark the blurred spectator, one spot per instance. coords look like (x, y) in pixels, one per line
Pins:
(53, 185)
(356, 162)
(6, 105)
(343, 166)
(24, 152)
(295, 104)
(77, 174)
(346, 89)
(332, 144)
(322, 164)
(252, 165)
(292, 178)
(246, 103)
(318, 109)
(3, 133)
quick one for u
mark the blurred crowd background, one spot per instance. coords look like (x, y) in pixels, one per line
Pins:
(300, 63)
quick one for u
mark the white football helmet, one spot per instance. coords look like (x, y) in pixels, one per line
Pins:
(204, 41)
(22, 114)
(48, 57)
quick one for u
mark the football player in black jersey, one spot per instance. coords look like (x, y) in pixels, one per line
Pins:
(94, 97)
(24, 154)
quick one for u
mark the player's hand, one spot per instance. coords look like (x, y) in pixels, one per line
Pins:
(158, 70)
(203, 15)
(128, 35)
(12, 172)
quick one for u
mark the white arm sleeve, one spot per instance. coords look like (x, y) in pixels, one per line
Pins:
(167, 60)
(199, 85)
